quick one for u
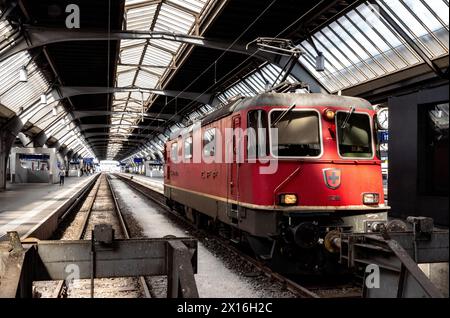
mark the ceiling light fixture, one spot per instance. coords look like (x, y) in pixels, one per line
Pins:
(23, 74)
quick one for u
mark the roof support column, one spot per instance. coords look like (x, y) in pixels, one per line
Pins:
(8, 134)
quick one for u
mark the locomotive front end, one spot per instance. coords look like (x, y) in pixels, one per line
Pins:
(328, 178)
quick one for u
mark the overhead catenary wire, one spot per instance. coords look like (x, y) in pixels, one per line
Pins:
(238, 66)
(214, 64)
(108, 97)
(231, 45)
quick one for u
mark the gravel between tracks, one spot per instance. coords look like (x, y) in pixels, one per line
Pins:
(102, 212)
(220, 275)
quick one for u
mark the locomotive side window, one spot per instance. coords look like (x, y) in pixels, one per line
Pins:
(174, 152)
(298, 133)
(209, 143)
(354, 135)
(257, 134)
(188, 148)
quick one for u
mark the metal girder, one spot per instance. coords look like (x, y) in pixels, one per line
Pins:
(64, 152)
(321, 15)
(41, 36)
(397, 255)
(8, 11)
(302, 74)
(84, 127)
(106, 147)
(128, 258)
(40, 139)
(69, 91)
(94, 113)
(107, 143)
(14, 125)
(115, 134)
(49, 260)
(111, 142)
(148, 66)
(407, 80)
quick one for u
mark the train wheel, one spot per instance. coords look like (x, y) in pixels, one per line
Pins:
(169, 203)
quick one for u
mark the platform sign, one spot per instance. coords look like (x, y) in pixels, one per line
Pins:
(88, 161)
(138, 160)
(383, 136)
(33, 157)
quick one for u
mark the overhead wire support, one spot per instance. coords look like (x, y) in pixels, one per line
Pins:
(275, 46)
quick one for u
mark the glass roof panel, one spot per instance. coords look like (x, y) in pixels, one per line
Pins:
(362, 45)
(423, 28)
(130, 43)
(155, 56)
(140, 19)
(171, 46)
(61, 133)
(138, 95)
(9, 71)
(131, 55)
(6, 32)
(191, 5)
(121, 95)
(125, 79)
(154, 70)
(23, 95)
(122, 68)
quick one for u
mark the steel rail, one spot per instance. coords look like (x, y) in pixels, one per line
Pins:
(61, 287)
(286, 282)
(89, 187)
(126, 233)
(89, 211)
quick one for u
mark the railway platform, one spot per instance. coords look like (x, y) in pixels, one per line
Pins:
(243, 149)
(156, 184)
(24, 207)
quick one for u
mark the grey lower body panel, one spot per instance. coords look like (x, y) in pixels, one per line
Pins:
(262, 222)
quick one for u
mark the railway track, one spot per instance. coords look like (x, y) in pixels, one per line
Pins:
(316, 291)
(100, 207)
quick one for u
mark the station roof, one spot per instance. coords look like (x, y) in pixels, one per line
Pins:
(120, 93)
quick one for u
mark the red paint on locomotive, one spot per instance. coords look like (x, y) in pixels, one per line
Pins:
(328, 176)
(220, 180)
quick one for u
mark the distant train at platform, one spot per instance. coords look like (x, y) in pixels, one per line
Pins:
(295, 170)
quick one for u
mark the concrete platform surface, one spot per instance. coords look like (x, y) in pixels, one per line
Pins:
(24, 206)
(156, 184)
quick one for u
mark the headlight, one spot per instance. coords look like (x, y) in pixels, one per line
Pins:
(371, 198)
(329, 114)
(288, 199)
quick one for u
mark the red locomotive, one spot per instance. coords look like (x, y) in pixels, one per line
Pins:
(295, 168)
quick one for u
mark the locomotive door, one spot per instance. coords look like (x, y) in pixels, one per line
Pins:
(233, 184)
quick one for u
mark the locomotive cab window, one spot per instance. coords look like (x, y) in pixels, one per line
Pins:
(257, 134)
(298, 133)
(209, 143)
(174, 152)
(354, 135)
(188, 147)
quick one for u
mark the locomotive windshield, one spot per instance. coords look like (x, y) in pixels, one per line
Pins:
(354, 135)
(298, 133)
(257, 138)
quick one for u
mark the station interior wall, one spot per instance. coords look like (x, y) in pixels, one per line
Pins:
(21, 174)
